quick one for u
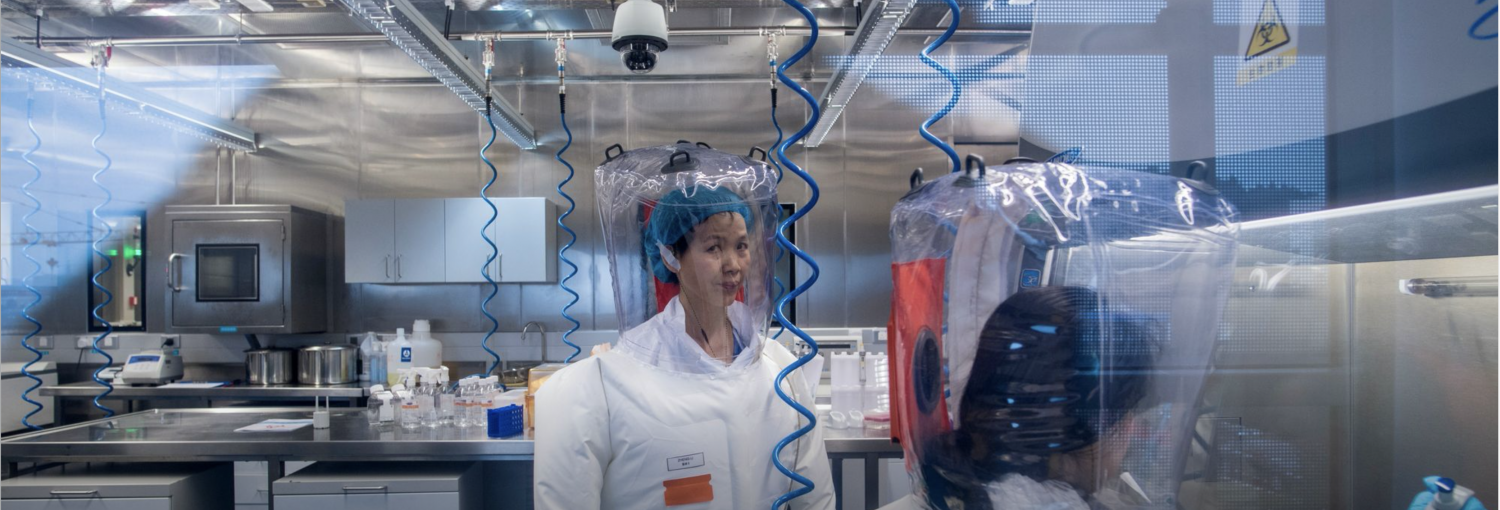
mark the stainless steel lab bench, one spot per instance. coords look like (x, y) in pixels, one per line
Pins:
(350, 394)
(185, 435)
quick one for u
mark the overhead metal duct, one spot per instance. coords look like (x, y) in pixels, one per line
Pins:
(424, 43)
(37, 65)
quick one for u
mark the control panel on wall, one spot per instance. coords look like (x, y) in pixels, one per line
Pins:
(438, 241)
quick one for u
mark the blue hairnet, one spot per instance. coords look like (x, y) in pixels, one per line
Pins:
(678, 213)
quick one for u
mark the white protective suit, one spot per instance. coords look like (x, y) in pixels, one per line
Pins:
(610, 429)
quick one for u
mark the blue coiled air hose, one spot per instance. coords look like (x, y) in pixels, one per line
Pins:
(953, 16)
(562, 253)
(781, 239)
(108, 264)
(33, 237)
(484, 306)
(780, 252)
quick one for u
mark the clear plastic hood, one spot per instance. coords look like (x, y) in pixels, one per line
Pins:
(1052, 327)
(690, 232)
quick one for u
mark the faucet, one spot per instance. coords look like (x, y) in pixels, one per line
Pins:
(527, 328)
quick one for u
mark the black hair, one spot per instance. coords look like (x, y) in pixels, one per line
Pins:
(1039, 386)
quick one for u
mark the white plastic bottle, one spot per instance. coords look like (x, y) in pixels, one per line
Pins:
(387, 407)
(427, 351)
(367, 356)
(372, 409)
(398, 356)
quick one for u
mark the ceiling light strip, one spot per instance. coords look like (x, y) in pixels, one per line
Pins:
(871, 38)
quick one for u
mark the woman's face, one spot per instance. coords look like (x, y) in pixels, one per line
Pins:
(714, 263)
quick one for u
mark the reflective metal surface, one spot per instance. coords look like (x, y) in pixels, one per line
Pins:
(264, 367)
(208, 434)
(269, 392)
(321, 365)
(277, 275)
(327, 115)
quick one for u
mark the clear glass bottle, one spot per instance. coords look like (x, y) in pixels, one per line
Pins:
(428, 397)
(411, 411)
(461, 404)
(446, 401)
(478, 403)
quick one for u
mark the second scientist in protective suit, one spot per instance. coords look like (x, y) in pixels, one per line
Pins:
(682, 411)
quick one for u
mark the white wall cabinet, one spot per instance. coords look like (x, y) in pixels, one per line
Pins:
(394, 241)
(438, 241)
(527, 237)
(419, 242)
(466, 250)
(369, 241)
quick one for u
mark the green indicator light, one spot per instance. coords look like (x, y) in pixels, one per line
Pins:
(138, 252)
(114, 253)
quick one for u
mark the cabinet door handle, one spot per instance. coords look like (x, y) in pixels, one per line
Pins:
(371, 488)
(398, 267)
(387, 267)
(75, 493)
(172, 282)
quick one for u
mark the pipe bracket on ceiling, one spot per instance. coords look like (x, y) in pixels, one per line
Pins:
(425, 44)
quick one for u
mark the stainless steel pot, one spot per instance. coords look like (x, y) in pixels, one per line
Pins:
(264, 367)
(322, 365)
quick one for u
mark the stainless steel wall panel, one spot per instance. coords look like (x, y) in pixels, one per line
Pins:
(311, 156)
(880, 148)
(1424, 377)
(451, 307)
(415, 142)
(605, 120)
(1279, 399)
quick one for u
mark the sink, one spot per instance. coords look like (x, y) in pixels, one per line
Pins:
(515, 373)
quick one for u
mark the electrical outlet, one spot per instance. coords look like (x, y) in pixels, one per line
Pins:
(171, 341)
(109, 342)
(41, 343)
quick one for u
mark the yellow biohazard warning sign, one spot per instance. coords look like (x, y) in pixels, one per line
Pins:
(1270, 41)
(1270, 32)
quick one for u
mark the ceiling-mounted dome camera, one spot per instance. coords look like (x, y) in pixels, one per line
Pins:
(640, 33)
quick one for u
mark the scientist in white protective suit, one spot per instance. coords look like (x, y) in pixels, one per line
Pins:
(681, 412)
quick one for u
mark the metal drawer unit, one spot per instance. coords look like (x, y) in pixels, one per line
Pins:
(382, 486)
(251, 490)
(123, 487)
